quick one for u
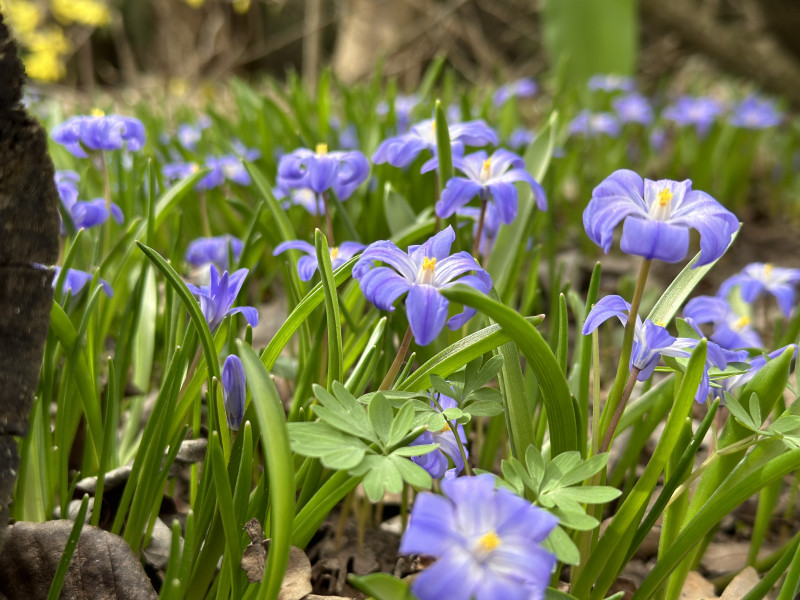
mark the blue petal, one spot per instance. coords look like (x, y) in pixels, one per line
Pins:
(606, 308)
(234, 384)
(426, 309)
(385, 251)
(306, 267)
(437, 247)
(451, 267)
(295, 245)
(715, 223)
(250, 314)
(431, 529)
(456, 194)
(505, 199)
(654, 239)
(382, 286)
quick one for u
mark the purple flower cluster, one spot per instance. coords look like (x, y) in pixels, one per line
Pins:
(320, 170)
(205, 251)
(591, 124)
(84, 214)
(217, 298)
(104, 132)
(521, 88)
(436, 463)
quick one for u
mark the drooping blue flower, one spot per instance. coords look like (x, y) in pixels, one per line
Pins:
(758, 279)
(234, 384)
(402, 150)
(422, 272)
(492, 179)
(436, 462)
(307, 265)
(75, 280)
(699, 112)
(731, 329)
(521, 88)
(650, 341)
(633, 108)
(104, 132)
(206, 251)
(594, 124)
(217, 298)
(756, 113)
(719, 357)
(611, 83)
(84, 214)
(487, 543)
(657, 217)
(322, 170)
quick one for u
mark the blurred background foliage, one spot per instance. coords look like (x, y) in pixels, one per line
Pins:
(138, 42)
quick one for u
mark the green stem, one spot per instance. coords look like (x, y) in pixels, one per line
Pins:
(328, 219)
(476, 247)
(453, 425)
(626, 394)
(615, 395)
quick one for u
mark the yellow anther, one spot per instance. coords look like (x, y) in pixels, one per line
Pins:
(446, 427)
(660, 323)
(428, 264)
(768, 269)
(741, 323)
(322, 149)
(489, 541)
(664, 197)
(96, 112)
(334, 252)
(195, 168)
(486, 169)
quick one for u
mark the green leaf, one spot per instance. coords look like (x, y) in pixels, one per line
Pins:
(69, 550)
(415, 450)
(755, 410)
(590, 494)
(560, 544)
(557, 469)
(382, 475)
(381, 586)
(401, 424)
(442, 386)
(484, 408)
(343, 411)
(335, 369)
(412, 473)
(279, 466)
(380, 414)
(786, 423)
(740, 414)
(585, 469)
(577, 520)
(399, 214)
(443, 151)
(335, 449)
(553, 385)
(535, 464)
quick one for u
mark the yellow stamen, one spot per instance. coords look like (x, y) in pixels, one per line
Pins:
(741, 323)
(660, 323)
(96, 112)
(322, 149)
(486, 169)
(446, 427)
(489, 541)
(334, 252)
(768, 269)
(428, 264)
(664, 197)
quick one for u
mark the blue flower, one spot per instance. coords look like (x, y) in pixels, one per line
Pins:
(658, 216)
(436, 462)
(88, 214)
(594, 124)
(234, 384)
(730, 384)
(756, 113)
(611, 83)
(421, 272)
(731, 329)
(105, 132)
(633, 108)
(227, 167)
(189, 135)
(700, 112)
(492, 179)
(75, 280)
(213, 250)
(179, 170)
(719, 357)
(217, 298)
(403, 107)
(650, 341)
(321, 170)
(758, 279)
(521, 88)
(402, 150)
(307, 265)
(487, 542)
